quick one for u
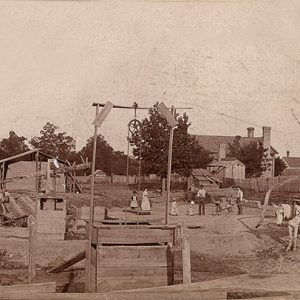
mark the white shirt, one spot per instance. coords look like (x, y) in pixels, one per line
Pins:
(240, 194)
(201, 193)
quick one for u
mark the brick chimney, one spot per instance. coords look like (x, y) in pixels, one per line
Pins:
(266, 136)
(222, 151)
(288, 153)
(250, 132)
(267, 145)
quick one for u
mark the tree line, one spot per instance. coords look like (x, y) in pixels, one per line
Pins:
(150, 143)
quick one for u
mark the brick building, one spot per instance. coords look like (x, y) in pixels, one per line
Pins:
(218, 145)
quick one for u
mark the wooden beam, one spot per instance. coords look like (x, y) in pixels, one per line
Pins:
(37, 178)
(212, 295)
(74, 181)
(169, 170)
(32, 226)
(77, 258)
(186, 256)
(92, 202)
(7, 292)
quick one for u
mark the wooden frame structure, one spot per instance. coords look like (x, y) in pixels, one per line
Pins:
(38, 156)
(130, 256)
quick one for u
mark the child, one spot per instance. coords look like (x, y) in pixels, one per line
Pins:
(218, 206)
(134, 204)
(192, 209)
(174, 211)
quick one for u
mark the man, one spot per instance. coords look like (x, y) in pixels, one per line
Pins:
(239, 200)
(4, 214)
(201, 195)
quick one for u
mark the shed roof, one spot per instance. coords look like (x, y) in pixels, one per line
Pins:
(202, 174)
(292, 162)
(224, 162)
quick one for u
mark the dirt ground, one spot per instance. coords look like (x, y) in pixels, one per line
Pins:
(221, 246)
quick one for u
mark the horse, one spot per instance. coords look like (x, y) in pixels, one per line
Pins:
(292, 214)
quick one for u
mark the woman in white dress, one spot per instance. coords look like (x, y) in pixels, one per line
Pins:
(145, 206)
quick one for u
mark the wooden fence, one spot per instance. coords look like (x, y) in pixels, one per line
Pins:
(261, 184)
(131, 179)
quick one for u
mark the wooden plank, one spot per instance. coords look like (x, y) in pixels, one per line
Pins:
(32, 251)
(126, 256)
(134, 236)
(51, 236)
(162, 227)
(135, 278)
(186, 258)
(215, 295)
(94, 235)
(77, 258)
(133, 270)
(47, 287)
(132, 282)
(87, 288)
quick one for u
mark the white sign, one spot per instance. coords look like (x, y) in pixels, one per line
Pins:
(103, 114)
(167, 114)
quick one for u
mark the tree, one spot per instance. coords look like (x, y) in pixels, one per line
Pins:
(104, 154)
(14, 144)
(54, 143)
(119, 164)
(154, 142)
(279, 166)
(252, 155)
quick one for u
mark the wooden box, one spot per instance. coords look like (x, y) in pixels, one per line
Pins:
(130, 256)
(51, 218)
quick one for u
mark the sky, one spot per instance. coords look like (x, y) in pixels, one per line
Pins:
(236, 63)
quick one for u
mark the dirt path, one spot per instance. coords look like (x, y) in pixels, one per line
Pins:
(224, 245)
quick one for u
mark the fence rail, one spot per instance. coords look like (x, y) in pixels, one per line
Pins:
(261, 184)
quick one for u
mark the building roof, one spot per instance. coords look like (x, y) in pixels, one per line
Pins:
(292, 162)
(202, 174)
(212, 142)
(99, 173)
(224, 162)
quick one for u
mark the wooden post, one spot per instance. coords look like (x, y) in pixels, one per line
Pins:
(105, 213)
(186, 258)
(169, 170)
(2, 174)
(32, 226)
(92, 204)
(163, 187)
(37, 178)
(189, 183)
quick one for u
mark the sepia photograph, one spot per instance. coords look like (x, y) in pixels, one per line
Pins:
(149, 149)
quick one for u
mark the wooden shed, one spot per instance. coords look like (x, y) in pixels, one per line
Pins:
(227, 168)
(205, 178)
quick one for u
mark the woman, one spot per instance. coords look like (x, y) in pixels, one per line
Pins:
(134, 204)
(145, 206)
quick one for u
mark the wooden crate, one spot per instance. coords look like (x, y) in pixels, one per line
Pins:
(51, 218)
(130, 256)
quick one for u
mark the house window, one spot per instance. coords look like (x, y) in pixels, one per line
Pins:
(59, 204)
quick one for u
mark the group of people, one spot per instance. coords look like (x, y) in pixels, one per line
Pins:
(145, 204)
(201, 199)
